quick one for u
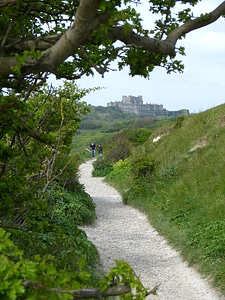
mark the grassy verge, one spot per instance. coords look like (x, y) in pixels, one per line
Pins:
(179, 182)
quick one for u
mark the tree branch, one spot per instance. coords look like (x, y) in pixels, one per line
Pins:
(83, 293)
(6, 2)
(199, 22)
(56, 49)
(89, 292)
(86, 20)
(143, 42)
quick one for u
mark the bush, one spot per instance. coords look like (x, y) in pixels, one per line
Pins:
(179, 122)
(67, 167)
(120, 175)
(33, 279)
(142, 168)
(79, 208)
(118, 146)
(52, 228)
(139, 136)
(102, 166)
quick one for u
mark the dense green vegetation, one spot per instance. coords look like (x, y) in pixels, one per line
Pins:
(41, 201)
(178, 182)
(43, 252)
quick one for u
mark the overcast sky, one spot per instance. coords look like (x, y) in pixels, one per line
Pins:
(200, 87)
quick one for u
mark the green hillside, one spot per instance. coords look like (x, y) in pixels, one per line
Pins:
(179, 182)
(102, 122)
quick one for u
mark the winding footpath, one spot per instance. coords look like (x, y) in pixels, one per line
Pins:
(121, 232)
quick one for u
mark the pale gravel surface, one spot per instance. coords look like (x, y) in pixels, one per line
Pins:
(122, 232)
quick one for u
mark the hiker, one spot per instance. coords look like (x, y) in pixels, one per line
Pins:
(100, 149)
(92, 147)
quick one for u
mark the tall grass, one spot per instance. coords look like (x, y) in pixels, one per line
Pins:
(185, 196)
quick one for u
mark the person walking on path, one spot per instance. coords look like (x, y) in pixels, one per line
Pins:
(122, 232)
(100, 149)
(92, 147)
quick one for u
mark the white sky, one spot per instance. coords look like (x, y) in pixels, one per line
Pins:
(200, 87)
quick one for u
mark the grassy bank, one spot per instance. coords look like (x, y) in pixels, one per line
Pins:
(179, 182)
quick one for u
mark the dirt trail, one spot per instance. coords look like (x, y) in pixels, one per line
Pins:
(121, 232)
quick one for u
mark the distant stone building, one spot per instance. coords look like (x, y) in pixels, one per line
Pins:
(135, 105)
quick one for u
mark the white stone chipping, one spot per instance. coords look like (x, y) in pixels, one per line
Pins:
(123, 233)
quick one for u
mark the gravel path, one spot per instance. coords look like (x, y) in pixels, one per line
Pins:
(122, 232)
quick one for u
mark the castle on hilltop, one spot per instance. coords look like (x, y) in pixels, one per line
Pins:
(135, 105)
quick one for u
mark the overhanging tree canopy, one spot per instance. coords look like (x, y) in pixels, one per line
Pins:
(73, 38)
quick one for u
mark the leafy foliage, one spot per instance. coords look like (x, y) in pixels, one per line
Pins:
(118, 146)
(120, 176)
(139, 136)
(54, 229)
(42, 202)
(38, 279)
(39, 38)
(18, 273)
(33, 133)
(123, 274)
(10, 286)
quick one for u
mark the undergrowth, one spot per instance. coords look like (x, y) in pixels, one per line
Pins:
(52, 228)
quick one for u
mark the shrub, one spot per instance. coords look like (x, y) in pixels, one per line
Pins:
(52, 228)
(120, 175)
(139, 136)
(33, 279)
(102, 166)
(118, 146)
(67, 167)
(79, 208)
(179, 122)
(142, 168)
